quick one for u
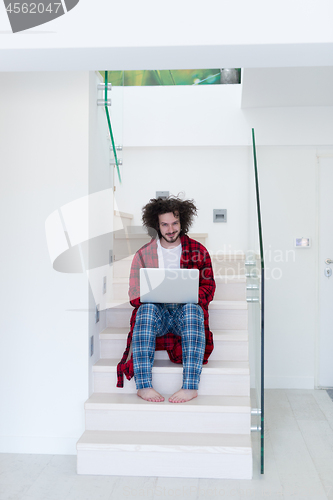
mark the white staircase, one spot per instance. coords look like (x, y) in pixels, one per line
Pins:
(208, 437)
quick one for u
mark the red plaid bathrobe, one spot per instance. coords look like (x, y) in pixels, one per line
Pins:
(194, 256)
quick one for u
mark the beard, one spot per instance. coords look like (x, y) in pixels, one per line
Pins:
(171, 238)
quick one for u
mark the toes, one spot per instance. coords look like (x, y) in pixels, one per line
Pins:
(152, 398)
(157, 399)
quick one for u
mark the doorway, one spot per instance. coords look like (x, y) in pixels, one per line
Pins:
(325, 269)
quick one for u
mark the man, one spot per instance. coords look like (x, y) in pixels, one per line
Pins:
(181, 329)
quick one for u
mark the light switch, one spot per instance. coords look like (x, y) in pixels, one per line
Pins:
(162, 194)
(302, 242)
(220, 215)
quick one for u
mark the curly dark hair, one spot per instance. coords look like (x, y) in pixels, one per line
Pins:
(185, 209)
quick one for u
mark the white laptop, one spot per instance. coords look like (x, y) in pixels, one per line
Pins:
(169, 286)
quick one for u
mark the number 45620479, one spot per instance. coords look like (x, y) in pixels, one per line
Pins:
(32, 8)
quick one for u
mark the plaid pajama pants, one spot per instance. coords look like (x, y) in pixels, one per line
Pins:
(156, 320)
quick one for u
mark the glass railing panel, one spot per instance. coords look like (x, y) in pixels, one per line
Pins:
(255, 295)
(106, 127)
(97, 209)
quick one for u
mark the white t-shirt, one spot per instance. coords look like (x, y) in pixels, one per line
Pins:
(169, 258)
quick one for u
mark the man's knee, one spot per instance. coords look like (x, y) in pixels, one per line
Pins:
(192, 309)
(147, 309)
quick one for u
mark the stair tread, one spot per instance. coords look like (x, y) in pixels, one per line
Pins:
(118, 333)
(165, 441)
(203, 403)
(213, 367)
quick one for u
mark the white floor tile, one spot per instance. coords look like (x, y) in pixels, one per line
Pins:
(318, 437)
(330, 494)
(295, 467)
(305, 407)
(170, 488)
(278, 411)
(92, 488)
(56, 479)
(12, 491)
(134, 488)
(50, 489)
(325, 404)
(22, 469)
(217, 489)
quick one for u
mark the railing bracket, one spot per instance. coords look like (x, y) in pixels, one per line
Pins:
(103, 102)
(101, 86)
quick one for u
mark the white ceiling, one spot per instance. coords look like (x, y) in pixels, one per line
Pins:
(187, 34)
(279, 87)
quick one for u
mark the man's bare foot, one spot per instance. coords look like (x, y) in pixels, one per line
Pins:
(149, 394)
(183, 395)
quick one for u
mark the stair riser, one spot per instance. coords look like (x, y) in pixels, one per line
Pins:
(120, 222)
(228, 319)
(165, 464)
(219, 319)
(168, 421)
(119, 291)
(228, 268)
(223, 350)
(230, 351)
(121, 268)
(117, 317)
(224, 291)
(230, 291)
(210, 384)
(123, 247)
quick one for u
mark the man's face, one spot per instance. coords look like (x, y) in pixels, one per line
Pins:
(169, 225)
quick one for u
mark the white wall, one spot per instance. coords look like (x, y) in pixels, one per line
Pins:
(44, 320)
(211, 115)
(287, 178)
(213, 177)
(206, 121)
